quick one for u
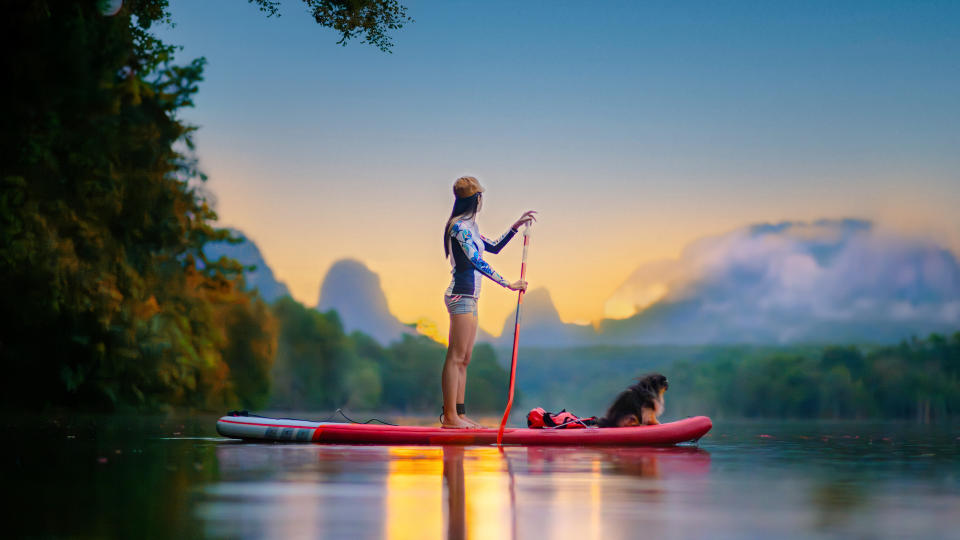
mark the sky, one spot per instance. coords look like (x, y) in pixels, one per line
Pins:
(634, 128)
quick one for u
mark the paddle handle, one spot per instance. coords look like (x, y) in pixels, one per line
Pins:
(516, 336)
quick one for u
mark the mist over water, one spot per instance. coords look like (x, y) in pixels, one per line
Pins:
(173, 477)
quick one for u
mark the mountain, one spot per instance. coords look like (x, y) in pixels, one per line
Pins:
(248, 254)
(827, 281)
(355, 293)
(540, 325)
(792, 282)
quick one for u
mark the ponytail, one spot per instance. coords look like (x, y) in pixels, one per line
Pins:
(465, 208)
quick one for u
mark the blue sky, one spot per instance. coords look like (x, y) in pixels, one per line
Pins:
(634, 127)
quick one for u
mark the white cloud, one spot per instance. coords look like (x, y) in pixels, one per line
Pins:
(787, 281)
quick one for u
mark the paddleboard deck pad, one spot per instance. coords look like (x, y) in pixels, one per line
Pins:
(285, 429)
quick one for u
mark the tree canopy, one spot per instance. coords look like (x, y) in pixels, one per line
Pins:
(107, 297)
(371, 18)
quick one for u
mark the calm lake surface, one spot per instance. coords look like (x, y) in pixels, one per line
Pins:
(174, 477)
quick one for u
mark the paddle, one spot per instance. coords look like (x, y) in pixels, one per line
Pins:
(516, 335)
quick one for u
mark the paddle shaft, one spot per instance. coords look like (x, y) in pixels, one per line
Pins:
(516, 336)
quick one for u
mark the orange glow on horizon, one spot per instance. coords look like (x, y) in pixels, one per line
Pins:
(583, 248)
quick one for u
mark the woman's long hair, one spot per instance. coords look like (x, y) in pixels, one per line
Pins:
(465, 208)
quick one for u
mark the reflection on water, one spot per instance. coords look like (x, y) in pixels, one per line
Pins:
(112, 477)
(433, 492)
(414, 492)
(477, 494)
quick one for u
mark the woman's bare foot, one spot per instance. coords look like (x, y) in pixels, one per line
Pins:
(471, 422)
(455, 423)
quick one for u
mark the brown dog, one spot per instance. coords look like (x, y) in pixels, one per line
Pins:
(640, 403)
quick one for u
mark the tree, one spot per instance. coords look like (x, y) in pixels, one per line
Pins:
(372, 18)
(107, 297)
(313, 358)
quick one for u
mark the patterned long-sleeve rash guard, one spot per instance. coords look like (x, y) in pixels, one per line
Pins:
(467, 258)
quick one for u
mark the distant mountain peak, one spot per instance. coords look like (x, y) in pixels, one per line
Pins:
(540, 324)
(248, 253)
(356, 294)
(538, 307)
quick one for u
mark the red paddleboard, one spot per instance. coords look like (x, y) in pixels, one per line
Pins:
(284, 429)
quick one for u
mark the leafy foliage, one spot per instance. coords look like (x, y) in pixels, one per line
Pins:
(107, 297)
(917, 379)
(313, 357)
(319, 367)
(487, 382)
(372, 18)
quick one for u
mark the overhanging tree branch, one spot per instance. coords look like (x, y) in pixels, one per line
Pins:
(373, 19)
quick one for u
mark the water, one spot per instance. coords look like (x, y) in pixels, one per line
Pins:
(153, 477)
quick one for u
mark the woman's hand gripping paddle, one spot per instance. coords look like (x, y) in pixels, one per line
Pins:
(516, 336)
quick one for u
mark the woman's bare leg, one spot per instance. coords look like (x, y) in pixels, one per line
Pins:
(462, 389)
(463, 329)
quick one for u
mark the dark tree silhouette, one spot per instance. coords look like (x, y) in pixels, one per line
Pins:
(106, 297)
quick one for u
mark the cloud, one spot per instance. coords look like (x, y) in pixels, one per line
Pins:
(790, 281)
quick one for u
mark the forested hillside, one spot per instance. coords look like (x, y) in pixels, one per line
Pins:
(916, 379)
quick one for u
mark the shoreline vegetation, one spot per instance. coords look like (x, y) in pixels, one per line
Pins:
(917, 379)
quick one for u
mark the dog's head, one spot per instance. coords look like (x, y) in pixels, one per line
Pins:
(655, 382)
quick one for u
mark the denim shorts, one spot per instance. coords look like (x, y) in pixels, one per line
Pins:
(458, 304)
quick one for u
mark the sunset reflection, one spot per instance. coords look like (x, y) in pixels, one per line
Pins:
(450, 492)
(459, 492)
(414, 493)
(454, 492)
(486, 492)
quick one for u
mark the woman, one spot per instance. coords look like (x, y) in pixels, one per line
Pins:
(464, 246)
